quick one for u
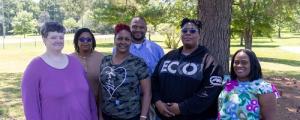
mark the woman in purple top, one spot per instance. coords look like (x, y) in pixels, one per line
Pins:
(54, 86)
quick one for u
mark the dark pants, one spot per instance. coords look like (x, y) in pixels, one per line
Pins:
(107, 117)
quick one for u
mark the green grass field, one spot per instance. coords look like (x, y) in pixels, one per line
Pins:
(277, 58)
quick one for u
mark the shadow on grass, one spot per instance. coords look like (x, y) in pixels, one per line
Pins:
(10, 91)
(159, 42)
(262, 41)
(281, 61)
(10, 95)
(258, 46)
(294, 63)
(288, 37)
(284, 74)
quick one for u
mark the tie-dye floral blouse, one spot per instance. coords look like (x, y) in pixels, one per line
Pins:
(239, 100)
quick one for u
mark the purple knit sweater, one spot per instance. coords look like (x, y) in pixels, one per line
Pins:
(57, 94)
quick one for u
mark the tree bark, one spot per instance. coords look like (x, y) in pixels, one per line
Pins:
(215, 34)
(248, 38)
(242, 39)
(279, 32)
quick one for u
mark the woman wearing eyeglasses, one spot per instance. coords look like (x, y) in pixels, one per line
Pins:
(187, 81)
(122, 75)
(84, 44)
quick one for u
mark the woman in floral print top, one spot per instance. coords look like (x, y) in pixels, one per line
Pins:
(247, 96)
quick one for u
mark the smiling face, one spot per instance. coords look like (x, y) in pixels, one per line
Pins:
(85, 42)
(54, 41)
(241, 66)
(122, 41)
(190, 35)
(138, 29)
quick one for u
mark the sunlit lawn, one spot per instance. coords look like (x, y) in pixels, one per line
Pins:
(276, 61)
(14, 58)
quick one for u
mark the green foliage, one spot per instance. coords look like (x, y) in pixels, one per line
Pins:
(171, 35)
(285, 13)
(43, 17)
(142, 2)
(31, 7)
(24, 23)
(263, 16)
(76, 8)
(253, 15)
(154, 15)
(70, 24)
(88, 22)
(175, 11)
(294, 26)
(54, 8)
(112, 14)
(10, 10)
(179, 9)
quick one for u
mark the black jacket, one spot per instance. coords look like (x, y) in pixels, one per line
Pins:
(193, 81)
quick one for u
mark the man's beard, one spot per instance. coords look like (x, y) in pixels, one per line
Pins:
(139, 39)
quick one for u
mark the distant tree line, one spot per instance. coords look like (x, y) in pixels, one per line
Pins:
(249, 17)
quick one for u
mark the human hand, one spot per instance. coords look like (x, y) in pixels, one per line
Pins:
(174, 108)
(162, 108)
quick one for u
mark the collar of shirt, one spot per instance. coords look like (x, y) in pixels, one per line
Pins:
(143, 44)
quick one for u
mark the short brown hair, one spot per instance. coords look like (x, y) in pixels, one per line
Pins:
(52, 26)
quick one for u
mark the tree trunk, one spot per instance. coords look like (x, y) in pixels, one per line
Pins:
(215, 34)
(279, 32)
(248, 38)
(242, 39)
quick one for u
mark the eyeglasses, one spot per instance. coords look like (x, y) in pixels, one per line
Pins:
(192, 31)
(85, 39)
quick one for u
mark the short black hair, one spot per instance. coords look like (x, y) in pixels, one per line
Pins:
(194, 21)
(255, 69)
(51, 26)
(76, 38)
(140, 17)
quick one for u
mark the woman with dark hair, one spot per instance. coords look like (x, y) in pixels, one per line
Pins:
(247, 95)
(54, 86)
(84, 44)
(121, 75)
(187, 81)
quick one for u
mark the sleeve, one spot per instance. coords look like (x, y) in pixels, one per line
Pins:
(93, 105)
(91, 97)
(30, 89)
(206, 97)
(264, 87)
(92, 102)
(155, 85)
(142, 69)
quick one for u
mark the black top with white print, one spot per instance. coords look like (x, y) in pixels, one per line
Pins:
(193, 81)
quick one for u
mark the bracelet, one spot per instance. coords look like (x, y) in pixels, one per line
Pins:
(142, 116)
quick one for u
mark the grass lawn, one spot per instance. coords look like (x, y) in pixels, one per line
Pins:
(275, 61)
